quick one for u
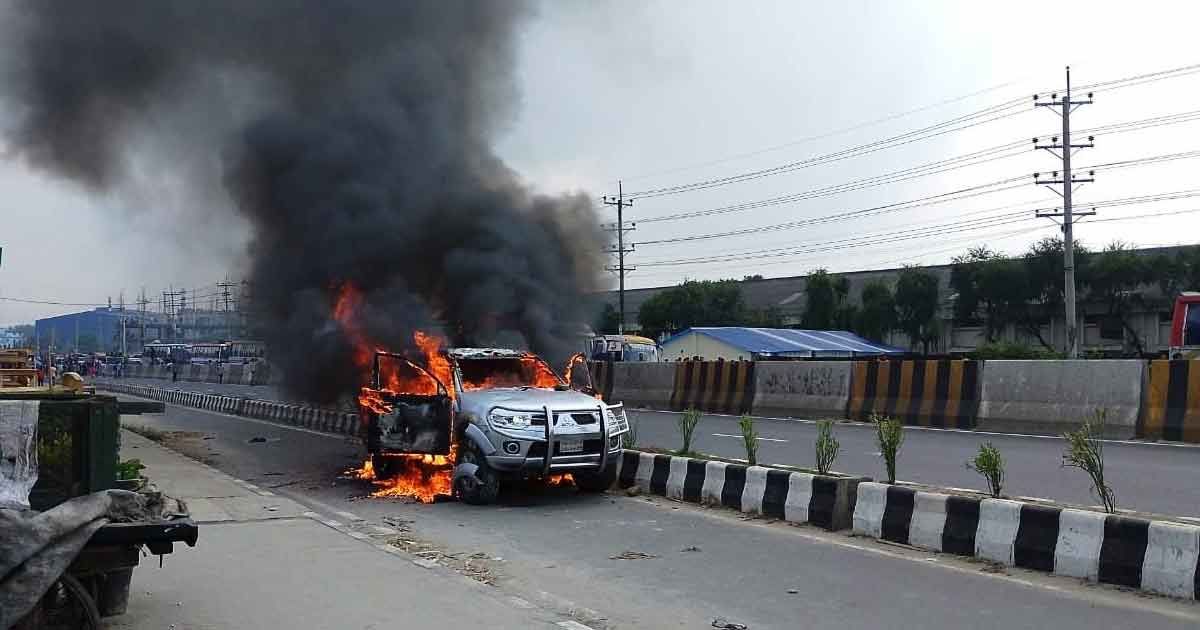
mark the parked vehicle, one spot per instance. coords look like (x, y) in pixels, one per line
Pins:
(1185, 327)
(509, 414)
(623, 348)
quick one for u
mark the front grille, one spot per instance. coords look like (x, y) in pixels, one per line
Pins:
(583, 418)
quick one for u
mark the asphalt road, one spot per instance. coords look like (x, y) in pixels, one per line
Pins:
(556, 547)
(1149, 477)
(1161, 478)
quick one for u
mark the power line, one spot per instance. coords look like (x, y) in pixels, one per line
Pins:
(996, 112)
(982, 156)
(821, 136)
(910, 231)
(954, 195)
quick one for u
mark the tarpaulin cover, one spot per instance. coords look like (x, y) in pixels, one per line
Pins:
(789, 342)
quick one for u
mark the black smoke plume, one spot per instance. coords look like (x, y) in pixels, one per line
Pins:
(354, 136)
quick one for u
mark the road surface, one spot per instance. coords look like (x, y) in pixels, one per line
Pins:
(556, 549)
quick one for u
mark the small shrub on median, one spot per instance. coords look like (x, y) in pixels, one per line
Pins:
(1085, 451)
(749, 439)
(827, 446)
(687, 422)
(988, 463)
(889, 435)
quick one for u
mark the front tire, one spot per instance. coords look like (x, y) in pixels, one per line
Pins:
(384, 466)
(483, 487)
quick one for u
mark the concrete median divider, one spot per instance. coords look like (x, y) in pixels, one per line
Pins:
(643, 384)
(826, 501)
(939, 393)
(1050, 397)
(248, 373)
(715, 386)
(233, 372)
(1171, 403)
(802, 388)
(262, 373)
(1156, 556)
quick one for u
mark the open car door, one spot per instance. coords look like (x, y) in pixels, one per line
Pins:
(578, 376)
(408, 410)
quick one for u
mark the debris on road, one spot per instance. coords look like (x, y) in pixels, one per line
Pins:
(258, 439)
(632, 555)
(724, 624)
(689, 548)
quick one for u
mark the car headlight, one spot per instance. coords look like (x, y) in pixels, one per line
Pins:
(506, 420)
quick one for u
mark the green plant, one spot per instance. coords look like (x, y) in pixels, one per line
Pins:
(631, 438)
(1085, 451)
(130, 469)
(889, 435)
(827, 446)
(749, 439)
(990, 464)
(687, 422)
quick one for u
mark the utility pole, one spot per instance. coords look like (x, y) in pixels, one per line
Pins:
(621, 203)
(1064, 150)
(227, 295)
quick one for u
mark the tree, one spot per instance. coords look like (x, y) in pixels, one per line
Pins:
(608, 322)
(877, 316)
(1113, 277)
(964, 281)
(694, 303)
(917, 306)
(827, 308)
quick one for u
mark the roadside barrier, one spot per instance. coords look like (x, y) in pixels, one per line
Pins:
(1056, 396)
(797, 497)
(1171, 405)
(233, 372)
(934, 393)
(261, 374)
(248, 373)
(802, 388)
(1155, 556)
(643, 384)
(716, 386)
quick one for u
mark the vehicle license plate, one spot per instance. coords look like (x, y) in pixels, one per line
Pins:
(567, 447)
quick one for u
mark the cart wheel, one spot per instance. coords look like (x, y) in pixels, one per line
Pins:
(68, 604)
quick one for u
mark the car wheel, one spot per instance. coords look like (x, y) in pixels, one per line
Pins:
(483, 487)
(595, 481)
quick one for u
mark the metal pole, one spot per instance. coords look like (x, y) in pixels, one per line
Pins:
(1068, 232)
(621, 256)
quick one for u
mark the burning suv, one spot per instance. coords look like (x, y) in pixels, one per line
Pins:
(494, 415)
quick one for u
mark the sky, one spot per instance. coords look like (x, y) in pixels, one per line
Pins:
(665, 93)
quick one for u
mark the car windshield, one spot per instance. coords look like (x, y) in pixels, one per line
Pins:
(1191, 326)
(491, 373)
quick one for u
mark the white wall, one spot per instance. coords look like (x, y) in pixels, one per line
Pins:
(694, 344)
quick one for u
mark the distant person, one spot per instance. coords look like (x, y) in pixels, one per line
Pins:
(53, 375)
(174, 373)
(221, 373)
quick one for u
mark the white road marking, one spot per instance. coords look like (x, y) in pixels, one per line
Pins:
(521, 603)
(763, 439)
(348, 516)
(386, 531)
(427, 563)
(572, 625)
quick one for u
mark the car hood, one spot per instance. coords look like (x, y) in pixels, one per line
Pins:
(532, 399)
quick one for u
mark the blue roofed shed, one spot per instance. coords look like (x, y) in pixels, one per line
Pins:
(741, 343)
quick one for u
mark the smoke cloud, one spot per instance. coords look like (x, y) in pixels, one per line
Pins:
(354, 137)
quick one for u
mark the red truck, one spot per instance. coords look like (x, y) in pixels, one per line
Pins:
(1185, 327)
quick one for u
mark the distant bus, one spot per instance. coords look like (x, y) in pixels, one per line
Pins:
(623, 348)
(203, 353)
(158, 352)
(246, 351)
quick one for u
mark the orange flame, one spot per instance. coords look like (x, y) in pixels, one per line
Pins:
(422, 477)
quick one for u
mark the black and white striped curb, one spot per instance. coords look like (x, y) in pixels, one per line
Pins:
(326, 420)
(824, 501)
(1156, 556)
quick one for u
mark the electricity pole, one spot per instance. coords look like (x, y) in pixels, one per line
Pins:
(1064, 150)
(621, 203)
(226, 295)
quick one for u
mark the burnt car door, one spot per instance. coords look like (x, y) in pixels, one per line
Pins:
(408, 410)
(578, 374)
